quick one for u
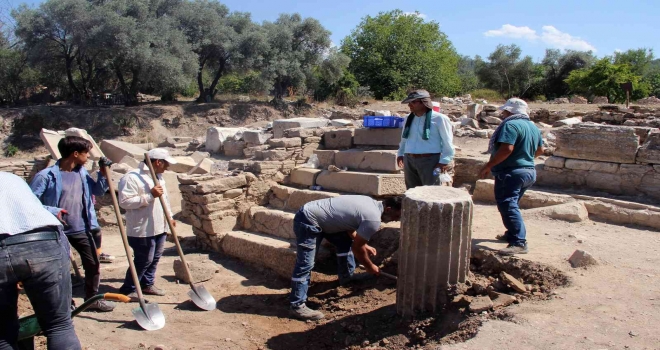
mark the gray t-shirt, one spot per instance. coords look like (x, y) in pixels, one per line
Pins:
(72, 201)
(346, 213)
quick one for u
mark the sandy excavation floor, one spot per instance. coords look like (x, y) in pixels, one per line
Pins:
(615, 305)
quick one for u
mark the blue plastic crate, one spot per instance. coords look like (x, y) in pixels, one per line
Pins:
(370, 121)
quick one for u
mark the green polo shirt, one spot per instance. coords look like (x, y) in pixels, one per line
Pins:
(525, 137)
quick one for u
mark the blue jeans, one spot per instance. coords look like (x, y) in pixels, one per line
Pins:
(308, 241)
(43, 268)
(510, 186)
(146, 254)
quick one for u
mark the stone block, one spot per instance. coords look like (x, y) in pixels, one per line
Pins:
(616, 144)
(130, 162)
(372, 184)
(285, 142)
(299, 132)
(173, 193)
(434, 251)
(249, 152)
(219, 226)
(466, 169)
(649, 153)
(216, 136)
(378, 161)
(326, 157)
(578, 164)
(233, 148)
(116, 150)
(304, 176)
(221, 184)
(274, 154)
(473, 110)
(338, 139)
(605, 167)
(175, 141)
(185, 164)
(571, 212)
(198, 156)
(312, 139)
(272, 222)
(555, 162)
(484, 191)
(276, 254)
(256, 137)
(282, 124)
(581, 258)
(298, 198)
(233, 193)
(567, 122)
(377, 137)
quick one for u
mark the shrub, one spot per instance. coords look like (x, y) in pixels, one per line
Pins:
(10, 150)
(486, 94)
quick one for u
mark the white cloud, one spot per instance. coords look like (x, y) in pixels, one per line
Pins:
(511, 31)
(553, 37)
(416, 13)
(618, 50)
(550, 36)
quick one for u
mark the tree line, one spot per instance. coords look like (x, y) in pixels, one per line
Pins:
(81, 49)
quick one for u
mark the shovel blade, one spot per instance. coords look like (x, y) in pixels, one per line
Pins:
(202, 298)
(150, 318)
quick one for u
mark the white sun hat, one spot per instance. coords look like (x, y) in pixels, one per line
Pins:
(515, 106)
(163, 154)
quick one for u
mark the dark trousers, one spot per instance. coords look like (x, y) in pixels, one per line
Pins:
(146, 254)
(43, 268)
(510, 186)
(419, 171)
(308, 240)
(85, 244)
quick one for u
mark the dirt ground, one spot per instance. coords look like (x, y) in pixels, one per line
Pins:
(614, 305)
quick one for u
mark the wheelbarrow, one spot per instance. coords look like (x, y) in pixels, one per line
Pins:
(29, 327)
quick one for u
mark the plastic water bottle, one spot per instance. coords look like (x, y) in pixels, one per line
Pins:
(436, 172)
(316, 188)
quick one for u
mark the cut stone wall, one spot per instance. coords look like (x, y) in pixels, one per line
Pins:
(434, 248)
(24, 168)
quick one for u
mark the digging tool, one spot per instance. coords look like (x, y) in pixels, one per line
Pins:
(148, 316)
(385, 274)
(198, 293)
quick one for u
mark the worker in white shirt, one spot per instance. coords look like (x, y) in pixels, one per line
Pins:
(146, 224)
(426, 142)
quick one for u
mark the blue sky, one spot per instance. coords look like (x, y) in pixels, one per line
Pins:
(476, 27)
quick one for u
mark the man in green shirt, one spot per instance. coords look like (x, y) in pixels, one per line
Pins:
(513, 147)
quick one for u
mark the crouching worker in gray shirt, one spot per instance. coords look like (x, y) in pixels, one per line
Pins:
(348, 222)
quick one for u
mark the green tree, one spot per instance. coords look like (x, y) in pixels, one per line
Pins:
(510, 75)
(639, 60)
(604, 79)
(394, 52)
(223, 42)
(16, 76)
(559, 65)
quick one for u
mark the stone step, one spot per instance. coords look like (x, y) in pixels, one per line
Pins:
(274, 253)
(360, 160)
(291, 199)
(372, 184)
(269, 221)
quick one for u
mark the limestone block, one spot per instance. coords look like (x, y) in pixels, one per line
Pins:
(649, 153)
(175, 141)
(571, 212)
(579, 164)
(326, 157)
(377, 137)
(466, 169)
(273, 222)
(233, 148)
(312, 139)
(299, 132)
(616, 144)
(567, 122)
(233, 193)
(274, 154)
(263, 250)
(338, 139)
(434, 251)
(221, 184)
(130, 162)
(484, 191)
(205, 199)
(197, 156)
(298, 198)
(473, 110)
(309, 149)
(219, 226)
(282, 192)
(555, 162)
(282, 124)
(256, 137)
(341, 122)
(304, 176)
(173, 193)
(116, 150)
(223, 204)
(367, 160)
(249, 152)
(216, 136)
(372, 184)
(285, 142)
(185, 164)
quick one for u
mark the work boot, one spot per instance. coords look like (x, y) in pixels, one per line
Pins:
(356, 277)
(135, 299)
(153, 290)
(502, 237)
(106, 258)
(514, 249)
(102, 306)
(304, 313)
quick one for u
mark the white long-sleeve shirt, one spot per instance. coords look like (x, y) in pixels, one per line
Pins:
(144, 214)
(440, 140)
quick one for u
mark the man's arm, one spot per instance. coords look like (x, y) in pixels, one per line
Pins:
(539, 152)
(447, 138)
(502, 153)
(100, 186)
(361, 251)
(38, 187)
(129, 194)
(402, 147)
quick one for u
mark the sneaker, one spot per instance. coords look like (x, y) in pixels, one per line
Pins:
(304, 313)
(135, 299)
(502, 237)
(102, 306)
(152, 290)
(356, 277)
(514, 249)
(106, 258)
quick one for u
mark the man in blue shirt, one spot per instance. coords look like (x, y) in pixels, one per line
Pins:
(66, 190)
(513, 147)
(33, 251)
(426, 142)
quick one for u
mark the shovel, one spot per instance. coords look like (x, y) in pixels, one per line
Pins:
(148, 316)
(198, 293)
